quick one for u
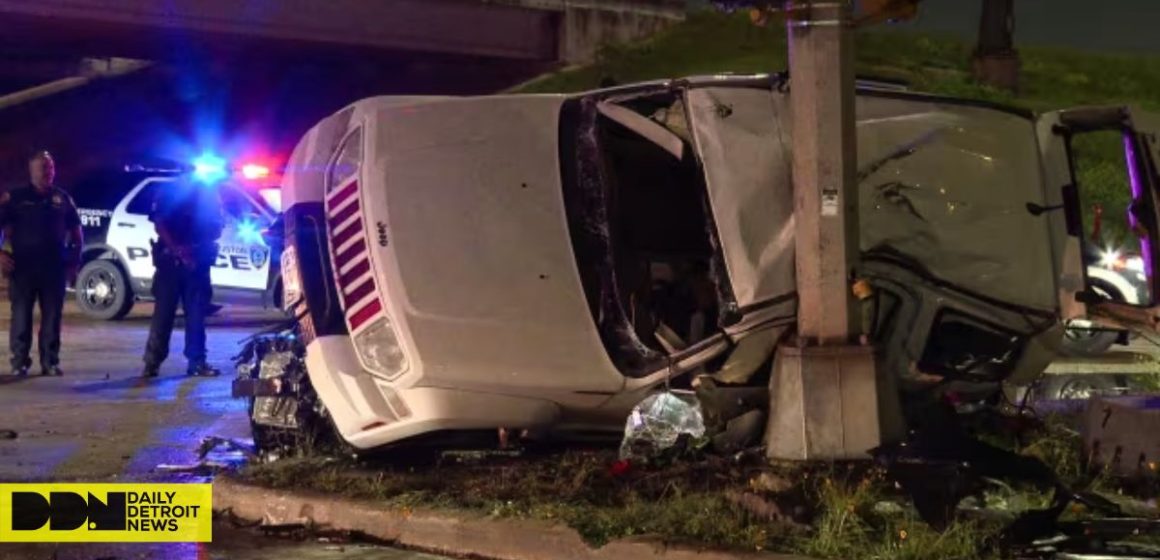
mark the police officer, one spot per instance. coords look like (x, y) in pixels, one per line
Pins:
(43, 243)
(187, 215)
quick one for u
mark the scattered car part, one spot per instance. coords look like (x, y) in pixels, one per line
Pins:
(285, 414)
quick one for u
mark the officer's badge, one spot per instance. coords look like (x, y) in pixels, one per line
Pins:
(259, 255)
(57, 200)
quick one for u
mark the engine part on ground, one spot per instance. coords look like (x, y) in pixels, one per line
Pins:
(657, 423)
(720, 404)
(285, 412)
(741, 432)
(940, 464)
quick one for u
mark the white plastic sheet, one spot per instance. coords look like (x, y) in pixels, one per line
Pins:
(657, 422)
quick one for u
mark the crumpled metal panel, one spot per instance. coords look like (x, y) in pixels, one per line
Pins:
(276, 411)
(743, 142)
(943, 184)
(947, 186)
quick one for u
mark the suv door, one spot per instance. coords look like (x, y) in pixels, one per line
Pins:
(1103, 161)
(740, 140)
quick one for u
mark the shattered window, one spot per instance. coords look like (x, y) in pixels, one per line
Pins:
(635, 198)
(658, 220)
(348, 160)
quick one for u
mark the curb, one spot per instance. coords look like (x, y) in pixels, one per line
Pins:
(449, 534)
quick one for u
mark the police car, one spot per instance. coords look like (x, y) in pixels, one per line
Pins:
(117, 264)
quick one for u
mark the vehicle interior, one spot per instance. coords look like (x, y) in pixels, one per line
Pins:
(654, 295)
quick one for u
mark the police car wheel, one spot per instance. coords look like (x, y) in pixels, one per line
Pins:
(102, 291)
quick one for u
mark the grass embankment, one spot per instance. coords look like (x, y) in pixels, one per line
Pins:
(1051, 79)
(821, 511)
(841, 512)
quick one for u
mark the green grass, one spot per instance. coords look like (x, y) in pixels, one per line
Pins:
(709, 43)
(684, 503)
(818, 510)
(827, 511)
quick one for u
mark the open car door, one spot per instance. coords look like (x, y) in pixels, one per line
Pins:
(1108, 197)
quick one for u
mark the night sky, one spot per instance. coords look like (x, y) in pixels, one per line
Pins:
(1107, 25)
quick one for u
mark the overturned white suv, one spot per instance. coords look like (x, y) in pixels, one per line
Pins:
(545, 261)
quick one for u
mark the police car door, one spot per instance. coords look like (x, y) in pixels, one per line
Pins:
(244, 260)
(130, 230)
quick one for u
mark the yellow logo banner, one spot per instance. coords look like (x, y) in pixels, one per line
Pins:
(106, 512)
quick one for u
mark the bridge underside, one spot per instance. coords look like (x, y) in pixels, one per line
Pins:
(168, 30)
(263, 71)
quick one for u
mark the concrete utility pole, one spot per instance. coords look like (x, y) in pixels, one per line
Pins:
(824, 389)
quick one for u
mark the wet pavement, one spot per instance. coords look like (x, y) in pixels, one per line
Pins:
(101, 422)
(229, 544)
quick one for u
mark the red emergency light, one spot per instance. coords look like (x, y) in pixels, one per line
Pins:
(253, 171)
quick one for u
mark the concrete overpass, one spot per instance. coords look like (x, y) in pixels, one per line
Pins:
(528, 31)
(266, 70)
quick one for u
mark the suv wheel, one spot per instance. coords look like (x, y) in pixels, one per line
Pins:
(103, 291)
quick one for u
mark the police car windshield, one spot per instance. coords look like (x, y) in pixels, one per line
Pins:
(240, 199)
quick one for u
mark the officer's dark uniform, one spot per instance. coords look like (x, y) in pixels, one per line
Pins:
(39, 224)
(192, 214)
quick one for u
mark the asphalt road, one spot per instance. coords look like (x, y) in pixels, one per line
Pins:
(101, 422)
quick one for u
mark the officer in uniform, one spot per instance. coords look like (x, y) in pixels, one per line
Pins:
(187, 215)
(43, 241)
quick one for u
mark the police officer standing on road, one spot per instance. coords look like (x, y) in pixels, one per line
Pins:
(43, 234)
(187, 215)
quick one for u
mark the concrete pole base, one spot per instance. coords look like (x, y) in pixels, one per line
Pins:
(824, 404)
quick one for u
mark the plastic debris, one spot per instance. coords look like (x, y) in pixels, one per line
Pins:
(657, 422)
(228, 449)
(215, 454)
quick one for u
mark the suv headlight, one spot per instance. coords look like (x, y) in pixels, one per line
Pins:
(379, 349)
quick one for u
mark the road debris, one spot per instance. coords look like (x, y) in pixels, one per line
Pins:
(948, 473)
(233, 447)
(215, 454)
(8, 434)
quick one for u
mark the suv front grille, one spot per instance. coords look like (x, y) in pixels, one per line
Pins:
(351, 256)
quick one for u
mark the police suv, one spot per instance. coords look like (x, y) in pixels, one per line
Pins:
(117, 265)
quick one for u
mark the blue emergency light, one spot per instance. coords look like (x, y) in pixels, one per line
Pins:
(209, 168)
(248, 232)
